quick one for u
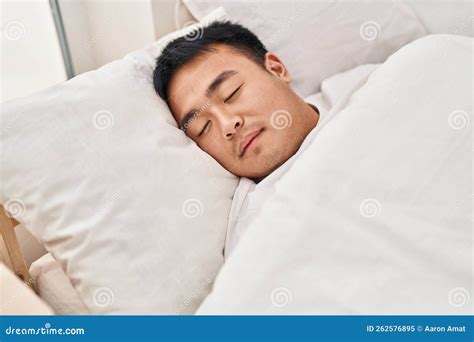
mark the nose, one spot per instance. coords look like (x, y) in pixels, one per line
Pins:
(229, 133)
(230, 123)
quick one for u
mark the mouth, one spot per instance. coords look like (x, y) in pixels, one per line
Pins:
(249, 142)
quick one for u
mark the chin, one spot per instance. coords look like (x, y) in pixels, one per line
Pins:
(266, 165)
(251, 174)
(261, 174)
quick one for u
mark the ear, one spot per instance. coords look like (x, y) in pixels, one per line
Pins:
(276, 67)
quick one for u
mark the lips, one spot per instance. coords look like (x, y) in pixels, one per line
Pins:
(244, 144)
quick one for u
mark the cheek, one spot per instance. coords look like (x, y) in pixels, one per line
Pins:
(269, 106)
(215, 148)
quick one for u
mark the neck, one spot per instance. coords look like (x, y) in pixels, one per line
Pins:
(312, 113)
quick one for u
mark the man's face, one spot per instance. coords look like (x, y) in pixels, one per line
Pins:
(247, 118)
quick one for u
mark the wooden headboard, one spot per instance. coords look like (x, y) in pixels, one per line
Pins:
(10, 252)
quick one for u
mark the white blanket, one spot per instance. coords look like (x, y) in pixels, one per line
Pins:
(375, 214)
(249, 197)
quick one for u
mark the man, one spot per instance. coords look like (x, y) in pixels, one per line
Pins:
(233, 98)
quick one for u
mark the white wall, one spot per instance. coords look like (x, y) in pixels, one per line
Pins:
(76, 26)
(30, 55)
(100, 31)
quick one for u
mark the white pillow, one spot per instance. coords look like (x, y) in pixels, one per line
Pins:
(98, 171)
(317, 39)
(54, 287)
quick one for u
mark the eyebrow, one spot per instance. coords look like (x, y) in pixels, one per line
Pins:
(212, 88)
(188, 117)
(221, 78)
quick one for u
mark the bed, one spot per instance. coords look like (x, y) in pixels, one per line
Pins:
(29, 259)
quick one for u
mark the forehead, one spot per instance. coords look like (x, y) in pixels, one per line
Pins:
(189, 83)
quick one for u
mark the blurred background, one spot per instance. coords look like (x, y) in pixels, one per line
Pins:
(45, 42)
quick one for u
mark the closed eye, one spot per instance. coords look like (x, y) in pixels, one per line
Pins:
(204, 128)
(233, 93)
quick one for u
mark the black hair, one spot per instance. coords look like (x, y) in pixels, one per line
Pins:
(199, 42)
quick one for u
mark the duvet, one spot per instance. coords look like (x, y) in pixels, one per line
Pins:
(374, 216)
